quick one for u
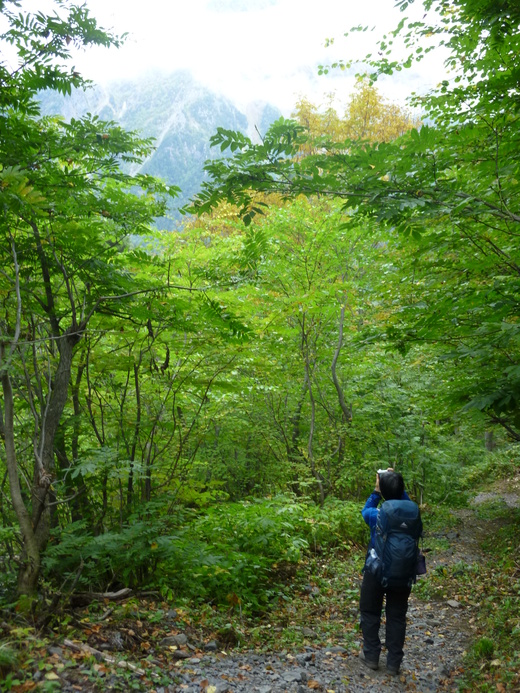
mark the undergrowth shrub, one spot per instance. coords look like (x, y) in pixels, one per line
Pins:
(8, 658)
(126, 556)
(228, 555)
(499, 464)
(337, 523)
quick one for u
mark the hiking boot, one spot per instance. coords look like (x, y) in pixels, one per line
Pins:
(393, 671)
(370, 663)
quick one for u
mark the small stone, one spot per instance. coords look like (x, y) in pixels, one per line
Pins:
(454, 603)
(179, 654)
(223, 688)
(116, 641)
(304, 657)
(55, 651)
(293, 676)
(174, 640)
(211, 646)
(309, 633)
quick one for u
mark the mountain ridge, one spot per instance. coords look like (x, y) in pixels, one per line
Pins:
(178, 112)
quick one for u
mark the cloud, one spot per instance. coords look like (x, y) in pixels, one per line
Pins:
(246, 49)
(239, 5)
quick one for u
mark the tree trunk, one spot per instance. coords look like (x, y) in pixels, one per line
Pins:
(489, 440)
(310, 449)
(30, 566)
(35, 526)
(347, 412)
(135, 439)
(292, 446)
(44, 449)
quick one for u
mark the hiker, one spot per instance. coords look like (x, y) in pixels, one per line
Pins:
(396, 584)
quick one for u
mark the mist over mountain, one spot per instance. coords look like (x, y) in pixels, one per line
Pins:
(179, 113)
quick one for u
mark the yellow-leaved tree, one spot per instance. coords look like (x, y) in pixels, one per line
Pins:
(367, 116)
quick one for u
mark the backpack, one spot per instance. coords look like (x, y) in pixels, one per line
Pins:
(394, 557)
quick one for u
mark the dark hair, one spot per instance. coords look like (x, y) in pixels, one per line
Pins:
(391, 485)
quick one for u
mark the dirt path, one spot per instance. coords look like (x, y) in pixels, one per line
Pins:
(441, 624)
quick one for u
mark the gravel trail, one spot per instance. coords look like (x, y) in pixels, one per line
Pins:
(438, 633)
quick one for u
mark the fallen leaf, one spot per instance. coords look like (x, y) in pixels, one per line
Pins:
(51, 676)
(27, 686)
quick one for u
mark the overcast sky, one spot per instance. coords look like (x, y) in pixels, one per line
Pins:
(247, 49)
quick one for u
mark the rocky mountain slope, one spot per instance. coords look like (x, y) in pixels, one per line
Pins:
(180, 114)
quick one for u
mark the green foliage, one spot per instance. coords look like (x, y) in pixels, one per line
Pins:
(8, 658)
(230, 554)
(484, 648)
(337, 523)
(490, 466)
(246, 550)
(448, 189)
(129, 555)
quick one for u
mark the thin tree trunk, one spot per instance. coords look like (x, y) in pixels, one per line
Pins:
(44, 447)
(130, 486)
(310, 451)
(30, 568)
(347, 412)
(489, 440)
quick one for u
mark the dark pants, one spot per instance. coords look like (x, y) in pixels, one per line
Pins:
(371, 606)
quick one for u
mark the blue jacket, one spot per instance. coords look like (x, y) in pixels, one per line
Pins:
(371, 511)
